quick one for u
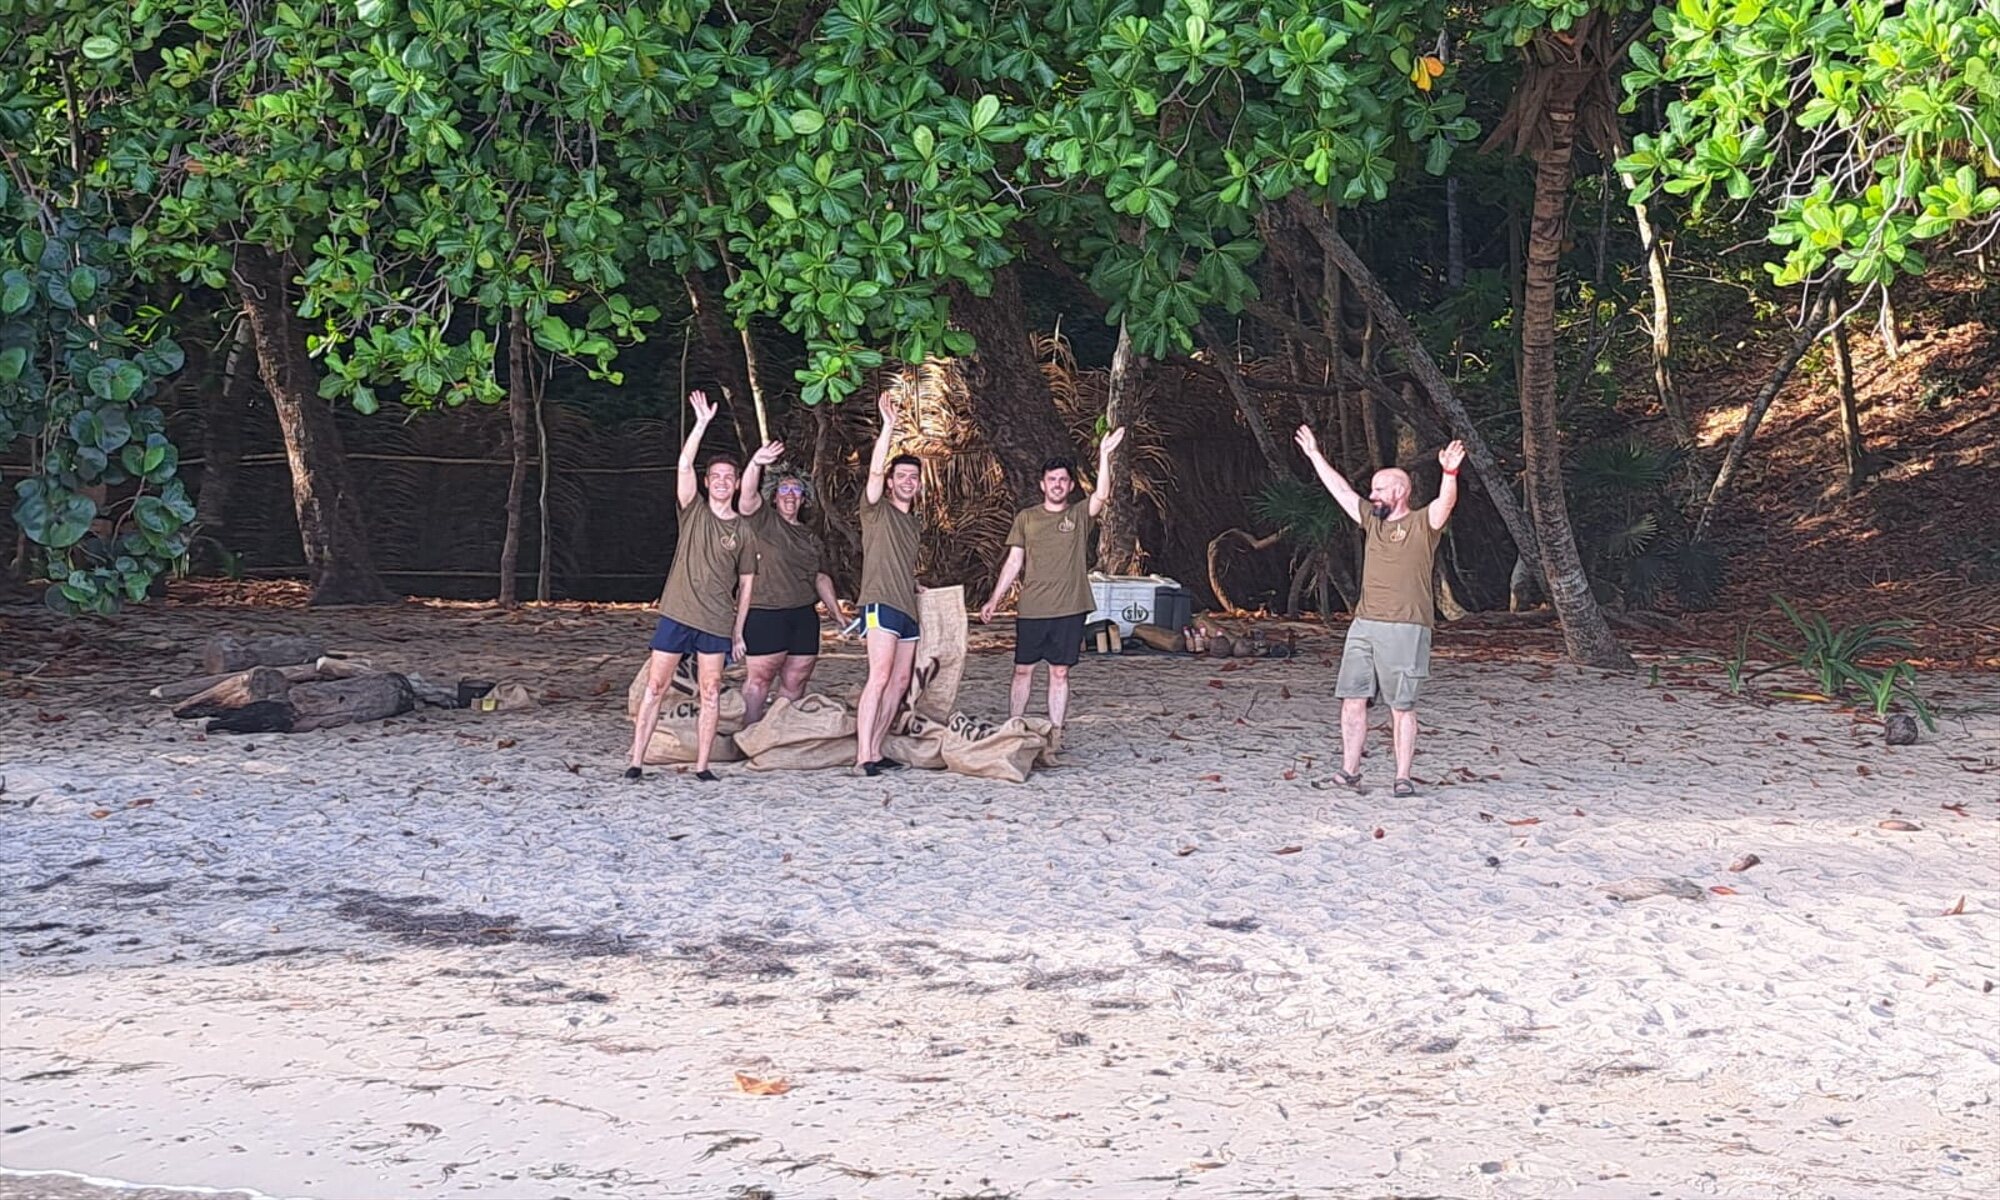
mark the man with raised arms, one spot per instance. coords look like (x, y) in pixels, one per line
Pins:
(713, 559)
(1388, 648)
(891, 533)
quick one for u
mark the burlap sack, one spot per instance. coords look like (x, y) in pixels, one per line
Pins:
(814, 733)
(940, 660)
(920, 745)
(731, 702)
(675, 737)
(1007, 751)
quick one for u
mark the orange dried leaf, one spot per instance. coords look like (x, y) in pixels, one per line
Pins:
(1211, 779)
(99, 814)
(750, 1085)
(1288, 850)
(1723, 890)
(1290, 774)
(1956, 910)
(1526, 821)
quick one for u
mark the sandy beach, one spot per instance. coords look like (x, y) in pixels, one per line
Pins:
(454, 953)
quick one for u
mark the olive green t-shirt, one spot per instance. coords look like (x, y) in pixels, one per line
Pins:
(1055, 573)
(889, 543)
(789, 558)
(709, 556)
(1396, 567)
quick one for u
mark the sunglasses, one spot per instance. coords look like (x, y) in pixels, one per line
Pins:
(791, 491)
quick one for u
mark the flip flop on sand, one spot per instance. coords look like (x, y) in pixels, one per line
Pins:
(1350, 779)
(1403, 790)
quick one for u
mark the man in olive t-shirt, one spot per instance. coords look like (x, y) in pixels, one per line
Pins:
(1388, 648)
(1048, 550)
(714, 556)
(891, 533)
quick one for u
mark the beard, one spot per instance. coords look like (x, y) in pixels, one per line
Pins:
(1380, 510)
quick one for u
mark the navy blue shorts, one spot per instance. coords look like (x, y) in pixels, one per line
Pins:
(672, 637)
(891, 619)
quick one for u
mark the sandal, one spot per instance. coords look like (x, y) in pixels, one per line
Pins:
(1403, 790)
(1349, 779)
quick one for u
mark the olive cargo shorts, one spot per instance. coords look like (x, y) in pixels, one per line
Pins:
(1390, 659)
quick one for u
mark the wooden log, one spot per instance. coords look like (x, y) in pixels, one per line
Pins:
(233, 692)
(174, 693)
(342, 668)
(345, 701)
(1157, 638)
(252, 701)
(225, 653)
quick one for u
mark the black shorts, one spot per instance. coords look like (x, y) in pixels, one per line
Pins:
(1057, 641)
(781, 631)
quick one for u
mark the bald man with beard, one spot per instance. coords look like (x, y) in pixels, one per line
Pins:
(1388, 648)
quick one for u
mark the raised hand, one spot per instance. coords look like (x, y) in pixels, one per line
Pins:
(768, 453)
(1307, 442)
(1452, 455)
(704, 408)
(886, 404)
(1111, 441)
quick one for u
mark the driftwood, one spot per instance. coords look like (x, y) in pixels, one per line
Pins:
(225, 653)
(174, 693)
(234, 692)
(1154, 637)
(344, 701)
(254, 701)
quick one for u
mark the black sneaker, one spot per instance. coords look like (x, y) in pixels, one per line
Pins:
(705, 776)
(634, 773)
(889, 764)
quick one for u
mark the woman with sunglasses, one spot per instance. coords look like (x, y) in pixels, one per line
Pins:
(777, 624)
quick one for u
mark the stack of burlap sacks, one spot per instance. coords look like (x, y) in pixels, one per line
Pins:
(817, 732)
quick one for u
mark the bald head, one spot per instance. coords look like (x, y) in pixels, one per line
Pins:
(1389, 493)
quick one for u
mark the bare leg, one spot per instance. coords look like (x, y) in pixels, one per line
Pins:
(710, 681)
(892, 696)
(1403, 724)
(758, 672)
(1058, 695)
(1353, 733)
(882, 648)
(797, 674)
(659, 677)
(1021, 689)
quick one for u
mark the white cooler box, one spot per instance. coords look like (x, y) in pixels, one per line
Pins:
(1130, 600)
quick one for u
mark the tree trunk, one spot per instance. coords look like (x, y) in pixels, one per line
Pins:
(1892, 340)
(1010, 396)
(224, 410)
(719, 350)
(1586, 635)
(1856, 451)
(1225, 362)
(1425, 368)
(1454, 237)
(1375, 428)
(332, 530)
(1118, 551)
(519, 357)
(1810, 331)
(1671, 401)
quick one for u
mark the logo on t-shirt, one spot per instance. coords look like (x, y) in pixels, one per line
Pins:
(1068, 523)
(1397, 534)
(728, 539)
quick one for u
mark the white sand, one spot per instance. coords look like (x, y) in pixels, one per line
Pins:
(1105, 982)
